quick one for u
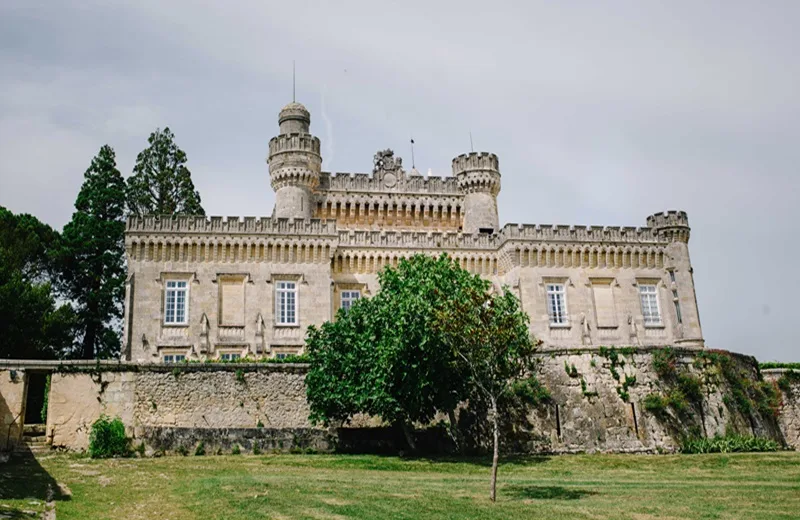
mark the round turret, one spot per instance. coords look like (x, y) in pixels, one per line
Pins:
(478, 175)
(671, 225)
(294, 163)
(294, 118)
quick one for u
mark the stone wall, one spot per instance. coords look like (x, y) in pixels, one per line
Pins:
(12, 407)
(592, 408)
(788, 382)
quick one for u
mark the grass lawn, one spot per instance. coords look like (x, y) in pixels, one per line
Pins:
(764, 485)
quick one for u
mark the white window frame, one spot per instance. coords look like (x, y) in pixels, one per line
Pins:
(282, 289)
(559, 317)
(350, 296)
(171, 359)
(649, 301)
(176, 287)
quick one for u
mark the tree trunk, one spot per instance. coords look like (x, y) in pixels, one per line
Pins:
(409, 434)
(496, 455)
(453, 429)
(89, 339)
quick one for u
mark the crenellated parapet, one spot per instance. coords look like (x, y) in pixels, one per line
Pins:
(580, 234)
(672, 226)
(158, 224)
(477, 172)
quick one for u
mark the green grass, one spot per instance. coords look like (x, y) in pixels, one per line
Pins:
(637, 487)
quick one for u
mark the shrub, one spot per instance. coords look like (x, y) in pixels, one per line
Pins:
(728, 444)
(570, 369)
(140, 449)
(240, 375)
(777, 364)
(256, 448)
(665, 362)
(200, 450)
(786, 380)
(691, 386)
(182, 450)
(107, 439)
(655, 404)
(236, 450)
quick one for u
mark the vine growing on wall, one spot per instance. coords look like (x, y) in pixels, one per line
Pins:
(612, 354)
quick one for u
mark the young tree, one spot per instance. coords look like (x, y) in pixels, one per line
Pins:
(384, 357)
(161, 183)
(92, 257)
(489, 336)
(33, 325)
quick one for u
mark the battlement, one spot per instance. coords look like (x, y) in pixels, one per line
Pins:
(229, 225)
(672, 226)
(671, 218)
(587, 234)
(476, 161)
(417, 240)
(365, 182)
(295, 142)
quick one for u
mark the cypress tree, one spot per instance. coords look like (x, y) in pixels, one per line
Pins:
(161, 183)
(92, 257)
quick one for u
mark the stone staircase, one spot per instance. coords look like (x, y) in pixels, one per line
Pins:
(34, 439)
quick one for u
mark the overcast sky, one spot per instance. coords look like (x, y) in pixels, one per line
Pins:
(601, 113)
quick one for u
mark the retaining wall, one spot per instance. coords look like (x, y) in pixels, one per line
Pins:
(174, 407)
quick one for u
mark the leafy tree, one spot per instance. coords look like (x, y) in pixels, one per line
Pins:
(488, 334)
(384, 357)
(161, 183)
(92, 257)
(33, 325)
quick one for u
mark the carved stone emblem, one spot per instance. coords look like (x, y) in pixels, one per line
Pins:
(388, 167)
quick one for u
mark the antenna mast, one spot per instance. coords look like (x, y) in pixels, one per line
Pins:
(471, 148)
(413, 164)
(293, 83)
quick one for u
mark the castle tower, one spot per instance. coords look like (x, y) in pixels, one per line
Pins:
(294, 163)
(674, 227)
(478, 177)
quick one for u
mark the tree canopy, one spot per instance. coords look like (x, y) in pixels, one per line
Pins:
(384, 357)
(161, 183)
(33, 324)
(92, 257)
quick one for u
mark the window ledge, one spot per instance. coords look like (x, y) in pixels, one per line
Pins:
(560, 325)
(175, 325)
(655, 326)
(287, 325)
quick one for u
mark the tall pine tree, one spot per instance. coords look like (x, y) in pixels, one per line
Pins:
(92, 257)
(161, 183)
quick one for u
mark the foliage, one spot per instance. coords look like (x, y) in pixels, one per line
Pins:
(728, 444)
(613, 356)
(91, 258)
(489, 335)
(182, 450)
(161, 183)
(691, 386)
(200, 450)
(256, 448)
(655, 404)
(43, 413)
(236, 450)
(33, 325)
(239, 375)
(570, 369)
(384, 357)
(107, 439)
(665, 362)
(786, 380)
(778, 364)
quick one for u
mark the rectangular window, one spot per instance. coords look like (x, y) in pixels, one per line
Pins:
(648, 295)
(557, 304)
(281, 355)
(286, 303)
(230, 357)
(677, 306)
(175, 302)
(349, 298)
(672, 276)
(174, 358)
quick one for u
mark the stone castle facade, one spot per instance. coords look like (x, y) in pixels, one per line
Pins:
(230, 288)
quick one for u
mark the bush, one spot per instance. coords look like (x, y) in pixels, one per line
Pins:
(665, 362)
(777, 364)
(655, 404)
(107, 439)
(691, 386)
(728, 444)
(200, 450)
(236, 450)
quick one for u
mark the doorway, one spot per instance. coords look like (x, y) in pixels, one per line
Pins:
(35, 399)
